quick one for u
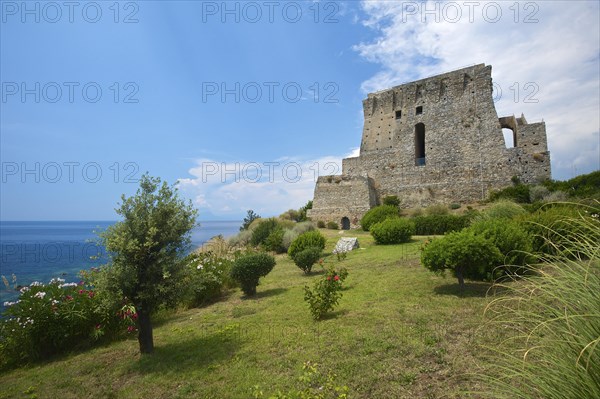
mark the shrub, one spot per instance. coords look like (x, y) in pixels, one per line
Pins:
(393, 231)
(248, 269)
(454, 205)
(416, 212)
(392, 200)
(250, 217)
(333, 226)
(512, 241)
(290, 214)
(551, 227)
(555, 317)
(503, 210)
(378, 214)
(439, 224)
(321, 224)
(261, 232)
(306, 258)
(48, 319)
(518, 193)
(274, 241)
(537, 193)
(241, 239)
(325, 294)
(467, 255)
(436, 210)
(303, 227)
(288, 237)
(307, 240)
(208, 275)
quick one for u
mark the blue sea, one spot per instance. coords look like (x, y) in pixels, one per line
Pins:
(40, 251)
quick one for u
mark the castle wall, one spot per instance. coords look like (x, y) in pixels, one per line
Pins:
(439, 140)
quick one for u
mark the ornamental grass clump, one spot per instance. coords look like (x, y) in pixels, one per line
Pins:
(552, 319)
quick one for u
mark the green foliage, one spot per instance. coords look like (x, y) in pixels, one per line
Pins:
(439, 224)
(552, 226)
(248, 269)
(261, 232)
(436, 210)
(307, 240)
(454, 205)
(274, 241)
(393, 231)
(241, 239)
(518, 193)
(315, 385)
(511, 240)
(53, 318)
(325, 294)
(392, 200)
(582, 186)
(554, 315)
(306, 258)
(290, 214)
(288, 237)
(207, 275)
(333, 226)
(378, 214)
(504, 210)
(537, 193)
(321, 224)
(466, 254)
(302, 211)
(146, 250)
(303, 227)
(250, 217)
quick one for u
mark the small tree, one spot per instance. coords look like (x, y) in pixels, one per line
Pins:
(302, 211)
(250, 217)
(146, 250)
(466, 254)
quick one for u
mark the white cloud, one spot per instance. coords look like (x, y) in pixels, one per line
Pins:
(559, 54)
(229, 189)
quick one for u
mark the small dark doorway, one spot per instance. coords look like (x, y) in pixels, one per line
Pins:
(345, 223)
(419, 144)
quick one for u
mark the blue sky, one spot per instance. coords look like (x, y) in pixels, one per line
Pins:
(208, 96)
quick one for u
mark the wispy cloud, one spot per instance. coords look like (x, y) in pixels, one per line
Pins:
(228, 189)
(552, 46)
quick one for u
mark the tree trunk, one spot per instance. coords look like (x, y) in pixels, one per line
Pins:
(145, 331)
(461, 280)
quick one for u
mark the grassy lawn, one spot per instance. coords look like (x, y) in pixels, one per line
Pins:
(399, 332)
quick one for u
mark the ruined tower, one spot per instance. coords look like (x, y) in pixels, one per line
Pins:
(435, 140)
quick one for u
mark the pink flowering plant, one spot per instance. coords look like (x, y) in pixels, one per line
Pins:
(326, 293)
(52, 318)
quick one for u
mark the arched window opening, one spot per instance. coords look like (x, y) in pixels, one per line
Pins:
(510, 138)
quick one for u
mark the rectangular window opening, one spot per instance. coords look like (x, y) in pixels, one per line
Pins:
(419, 110)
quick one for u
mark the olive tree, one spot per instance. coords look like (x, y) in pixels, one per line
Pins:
(146, 249)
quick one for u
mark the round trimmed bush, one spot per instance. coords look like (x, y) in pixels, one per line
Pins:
(321, 224)
(378, 214)
(248, 269)
(514, 242)
(393, 231)
(306, 258)
(306, 240)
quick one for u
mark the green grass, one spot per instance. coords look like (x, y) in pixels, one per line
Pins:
(399, 332)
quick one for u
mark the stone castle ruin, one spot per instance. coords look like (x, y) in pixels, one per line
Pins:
(435, 140)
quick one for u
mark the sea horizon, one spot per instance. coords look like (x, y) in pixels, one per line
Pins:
(39, 250)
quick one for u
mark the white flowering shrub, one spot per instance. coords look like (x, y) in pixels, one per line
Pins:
(207, 276)
(53, 318)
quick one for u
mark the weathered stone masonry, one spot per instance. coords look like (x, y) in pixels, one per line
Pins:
(435, 140)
